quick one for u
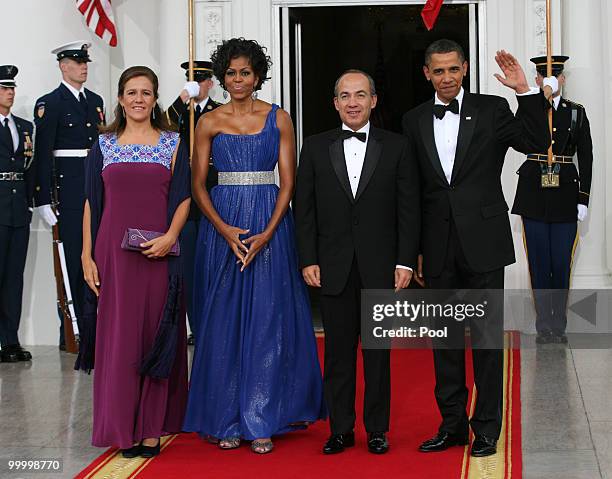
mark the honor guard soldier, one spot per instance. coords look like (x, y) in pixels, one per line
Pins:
(67, 122)
(550, 204)
(178, 114)
(16, 189)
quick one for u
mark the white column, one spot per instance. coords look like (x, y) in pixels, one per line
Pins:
(173, 49)
(582, 41)
(606, 101)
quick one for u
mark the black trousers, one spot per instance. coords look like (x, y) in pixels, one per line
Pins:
(13, 252)
(451, 392)
(341, 320)
(70, 222)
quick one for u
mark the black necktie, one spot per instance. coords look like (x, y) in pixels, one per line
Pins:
(440, 110)
(361, 136)
(198, 110)
(83, 101)
(6, 131)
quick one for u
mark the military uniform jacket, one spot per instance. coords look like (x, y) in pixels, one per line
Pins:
(178, 114)
(63, 124)
(16, 196)
(571, 135)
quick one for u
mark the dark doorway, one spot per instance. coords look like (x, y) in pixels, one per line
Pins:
(388, 42)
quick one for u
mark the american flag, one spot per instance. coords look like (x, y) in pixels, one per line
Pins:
(99, 17)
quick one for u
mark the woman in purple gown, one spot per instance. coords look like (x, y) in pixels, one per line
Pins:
(255, 371)
(137, 177)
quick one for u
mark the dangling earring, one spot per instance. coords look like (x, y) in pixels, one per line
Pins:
(254, 95)
(153, 112)
(225, 94)
(123, 110)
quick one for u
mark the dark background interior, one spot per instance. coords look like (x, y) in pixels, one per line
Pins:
(387, 42)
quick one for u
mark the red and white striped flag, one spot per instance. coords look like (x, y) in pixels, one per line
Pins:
(99, 18)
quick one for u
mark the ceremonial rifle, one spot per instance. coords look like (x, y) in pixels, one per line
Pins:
(191, 102)
(62, 282)
(550, 178)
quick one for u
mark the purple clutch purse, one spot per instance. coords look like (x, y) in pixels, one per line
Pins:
(134, 236)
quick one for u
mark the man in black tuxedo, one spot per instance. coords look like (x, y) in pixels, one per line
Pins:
(460, 140)
(357, 223)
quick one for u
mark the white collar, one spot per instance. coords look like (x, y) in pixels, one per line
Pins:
(203, 103)
(364, 129)
(9, 116)
(73, 90)
(556, 101)
(459, 98)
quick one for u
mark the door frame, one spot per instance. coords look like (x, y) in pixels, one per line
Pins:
(281, 77)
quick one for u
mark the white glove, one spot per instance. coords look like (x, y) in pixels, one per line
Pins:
(46, 213)
(582, 212)
(192, 88)
(552, 82)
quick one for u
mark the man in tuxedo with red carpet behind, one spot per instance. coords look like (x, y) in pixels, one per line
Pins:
(460, 140)
(357, 224)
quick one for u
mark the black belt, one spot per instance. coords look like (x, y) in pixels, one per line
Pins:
(556, 158)
(11, 176)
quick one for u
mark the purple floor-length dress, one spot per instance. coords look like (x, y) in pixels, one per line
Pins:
(127, 406)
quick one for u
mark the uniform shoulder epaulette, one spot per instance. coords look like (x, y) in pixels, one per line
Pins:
(93, 94)
(23, 121)
(574, 103)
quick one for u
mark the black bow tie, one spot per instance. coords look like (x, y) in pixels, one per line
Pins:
(360, 135)
(440, 110)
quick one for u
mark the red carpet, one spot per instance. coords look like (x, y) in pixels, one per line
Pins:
(414, 417)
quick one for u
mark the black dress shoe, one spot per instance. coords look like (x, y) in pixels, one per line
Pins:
(483, 446)
(132, 452)
(22, 354)
(545, 337)
(190, 340)
(377, 443)
(443, 441)
(149, 451)
(8, 356)
(337, 442)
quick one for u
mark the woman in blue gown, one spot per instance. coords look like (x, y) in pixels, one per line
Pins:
(255, 371)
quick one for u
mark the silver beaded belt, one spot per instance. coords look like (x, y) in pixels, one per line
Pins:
(11, 176)
(246, 178)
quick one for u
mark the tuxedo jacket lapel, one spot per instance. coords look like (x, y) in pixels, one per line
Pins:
(336, 154)
(373, 154)
(429, 140)
(467, 124)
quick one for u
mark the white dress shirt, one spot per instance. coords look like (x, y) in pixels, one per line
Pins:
(446, 132)
(13, 127)
(354, 155)
(74, 91)
(556, 101)
(202, 104)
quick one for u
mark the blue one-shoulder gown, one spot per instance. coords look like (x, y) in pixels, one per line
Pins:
(255, 369)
